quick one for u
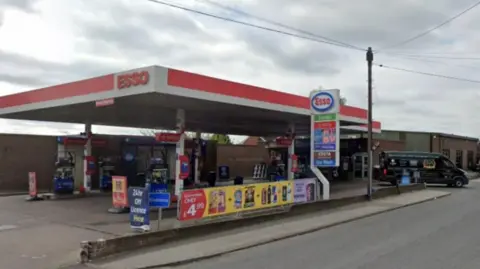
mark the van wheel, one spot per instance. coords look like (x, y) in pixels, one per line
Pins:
(458, 182)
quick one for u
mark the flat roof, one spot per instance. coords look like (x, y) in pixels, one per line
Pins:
(454, 136)
(212, 105)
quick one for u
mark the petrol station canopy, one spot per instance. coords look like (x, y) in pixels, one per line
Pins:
(149, 98)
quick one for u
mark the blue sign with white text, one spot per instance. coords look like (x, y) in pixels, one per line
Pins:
(159, 197)
(158, 187)
(139, 208)
(325, 163)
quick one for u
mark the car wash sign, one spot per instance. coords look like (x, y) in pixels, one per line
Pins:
(325, 128)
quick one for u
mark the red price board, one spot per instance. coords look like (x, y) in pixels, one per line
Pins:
(192, 205)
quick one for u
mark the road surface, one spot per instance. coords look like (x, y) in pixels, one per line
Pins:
(442, 234)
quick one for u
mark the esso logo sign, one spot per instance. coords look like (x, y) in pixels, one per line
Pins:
(322, 102)
(133, 79)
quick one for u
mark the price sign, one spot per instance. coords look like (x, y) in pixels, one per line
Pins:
(192, 205)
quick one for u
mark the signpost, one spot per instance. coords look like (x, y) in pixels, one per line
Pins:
(159, 198)
(325, 134)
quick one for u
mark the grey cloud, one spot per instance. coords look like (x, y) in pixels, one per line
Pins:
(374, 23)
(26, 5)
(28, 71)
(311, 58)
(160, 36)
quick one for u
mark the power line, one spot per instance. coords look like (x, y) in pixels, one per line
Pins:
(251, 25)
(243, 13)
(427, 74)
(432, 29)
(412, 58)
(436, 57)
(434, 53)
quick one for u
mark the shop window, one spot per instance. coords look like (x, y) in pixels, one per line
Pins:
(470, 160)
(459, 158)
(446, 152)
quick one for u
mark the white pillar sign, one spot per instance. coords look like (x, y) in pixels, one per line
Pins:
(324, 134)
(325, 128)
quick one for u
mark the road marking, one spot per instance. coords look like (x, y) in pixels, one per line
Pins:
(7, 227)
(34, 257)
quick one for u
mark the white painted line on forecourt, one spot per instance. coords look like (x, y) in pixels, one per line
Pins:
(7, 227)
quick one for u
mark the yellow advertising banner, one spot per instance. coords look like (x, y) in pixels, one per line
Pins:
(238, 198)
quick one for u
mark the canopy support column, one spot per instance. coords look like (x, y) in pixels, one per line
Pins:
(87, 151)
(291, 151)
(179, 150)
(197, 155)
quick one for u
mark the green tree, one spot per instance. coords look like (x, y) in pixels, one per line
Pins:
(221, 139)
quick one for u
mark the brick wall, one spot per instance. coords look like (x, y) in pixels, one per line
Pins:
(241, 158)
(445, 144)
(386, 145)
(20, 154)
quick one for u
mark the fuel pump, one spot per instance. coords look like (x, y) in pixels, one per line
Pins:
(63, 180)
(156, 176)
(157, 172)
(107, 170)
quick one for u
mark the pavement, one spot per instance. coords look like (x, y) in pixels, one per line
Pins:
(442, 234)
(231, 241)
(44, 234)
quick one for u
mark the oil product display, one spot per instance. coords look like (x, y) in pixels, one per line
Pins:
(107, 170)
(63, 180)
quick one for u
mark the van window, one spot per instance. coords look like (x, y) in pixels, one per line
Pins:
(447, 163)
(403, 162)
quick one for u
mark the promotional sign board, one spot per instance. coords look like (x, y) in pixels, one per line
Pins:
(119, 191)
(32, 184)
(210, 202)
(305, 190)
(325, 128)
(139, 209)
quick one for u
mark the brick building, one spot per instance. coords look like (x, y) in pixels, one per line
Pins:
(462, 150)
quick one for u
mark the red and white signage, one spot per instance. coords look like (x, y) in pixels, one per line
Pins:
(133, 79)
(283, 141)
(105, 102)
(168, 137)
(32, 184)
(192, 205)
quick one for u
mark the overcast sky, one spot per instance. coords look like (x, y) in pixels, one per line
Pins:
(46, 42)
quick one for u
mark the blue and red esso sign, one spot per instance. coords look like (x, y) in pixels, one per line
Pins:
(322, 102)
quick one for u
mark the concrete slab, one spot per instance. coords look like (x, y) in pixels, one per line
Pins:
(215, 246)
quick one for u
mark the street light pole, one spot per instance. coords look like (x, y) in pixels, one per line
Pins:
(370, 127)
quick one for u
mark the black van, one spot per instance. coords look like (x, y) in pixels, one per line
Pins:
(431, 168)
